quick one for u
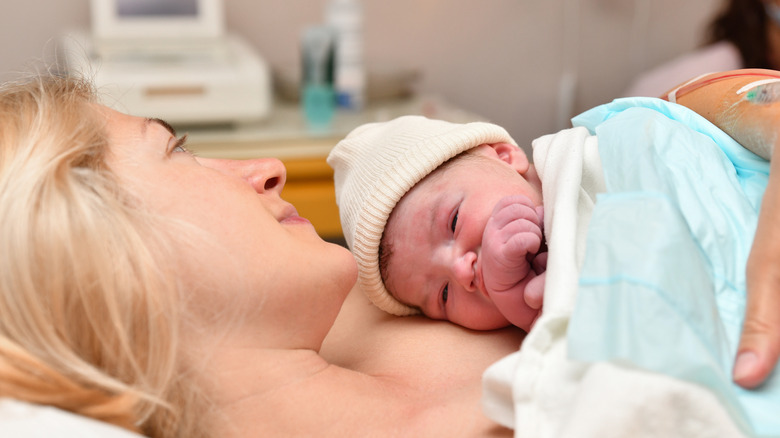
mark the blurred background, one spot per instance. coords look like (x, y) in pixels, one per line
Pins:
(528, 65)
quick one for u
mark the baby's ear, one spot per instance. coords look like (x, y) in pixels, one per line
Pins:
(512, 155)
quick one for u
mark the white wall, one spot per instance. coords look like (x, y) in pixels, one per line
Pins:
(504, 59)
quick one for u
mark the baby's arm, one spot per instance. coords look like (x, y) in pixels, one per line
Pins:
(512, 271)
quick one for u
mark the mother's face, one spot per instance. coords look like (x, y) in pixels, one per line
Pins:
(241, 247)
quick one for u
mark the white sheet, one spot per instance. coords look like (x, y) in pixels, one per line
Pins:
(24, 420)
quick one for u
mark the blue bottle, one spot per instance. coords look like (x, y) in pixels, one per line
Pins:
(317, 96)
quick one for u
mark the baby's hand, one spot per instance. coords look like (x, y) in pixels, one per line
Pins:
(510, 242)
(512, 237)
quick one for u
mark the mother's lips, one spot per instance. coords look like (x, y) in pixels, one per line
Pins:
(290, 216)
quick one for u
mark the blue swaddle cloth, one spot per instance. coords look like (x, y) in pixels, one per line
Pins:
(663, 283)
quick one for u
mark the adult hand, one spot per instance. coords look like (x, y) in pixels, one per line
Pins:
(512, 271)
(759, 345)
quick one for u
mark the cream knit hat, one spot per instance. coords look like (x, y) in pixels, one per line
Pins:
(375, 165)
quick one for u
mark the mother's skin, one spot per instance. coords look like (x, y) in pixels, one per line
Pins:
(381, 376)
(434, 362)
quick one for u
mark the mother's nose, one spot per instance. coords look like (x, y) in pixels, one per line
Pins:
(265, 175)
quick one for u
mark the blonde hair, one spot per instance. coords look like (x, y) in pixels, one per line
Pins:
(89, 318)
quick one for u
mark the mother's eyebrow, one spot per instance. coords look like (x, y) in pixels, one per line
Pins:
(162, 123)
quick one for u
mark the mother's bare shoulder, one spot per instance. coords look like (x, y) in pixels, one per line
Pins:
(366, 339)
(436, 365)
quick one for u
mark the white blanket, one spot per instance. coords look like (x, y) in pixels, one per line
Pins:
(538, 391)
(25, 420)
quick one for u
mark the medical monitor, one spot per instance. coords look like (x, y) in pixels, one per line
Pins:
(157, 19)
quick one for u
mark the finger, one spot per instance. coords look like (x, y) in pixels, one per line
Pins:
(514, 213)
(515, 199)
(759, 346)
(520, 245)
(518, 226)
(515, 207)
(539, 263)
(534, 292)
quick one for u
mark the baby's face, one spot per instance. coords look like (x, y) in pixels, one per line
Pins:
(435, 239)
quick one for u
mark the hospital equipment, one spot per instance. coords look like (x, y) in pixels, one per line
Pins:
(317, 95)
(172, 59)
(766, 92)
(346, 19)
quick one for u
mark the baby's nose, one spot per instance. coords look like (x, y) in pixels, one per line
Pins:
(464, 270)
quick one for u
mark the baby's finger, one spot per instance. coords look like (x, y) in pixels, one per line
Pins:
(519, 218)
(519, 226)
(534, 292)
(539, 262)
(515, 207)
(520, 245)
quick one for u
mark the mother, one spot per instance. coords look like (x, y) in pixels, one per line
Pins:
(173, 295)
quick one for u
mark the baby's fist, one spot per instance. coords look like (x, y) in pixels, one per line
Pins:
(512, 236)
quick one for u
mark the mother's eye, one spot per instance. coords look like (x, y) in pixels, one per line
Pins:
(179, 146)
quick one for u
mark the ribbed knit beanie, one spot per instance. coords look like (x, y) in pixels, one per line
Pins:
(375, 165)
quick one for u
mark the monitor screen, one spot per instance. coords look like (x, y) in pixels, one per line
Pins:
(157, 19)
(157, 8)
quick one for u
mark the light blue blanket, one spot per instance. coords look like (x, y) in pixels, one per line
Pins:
(663, 283)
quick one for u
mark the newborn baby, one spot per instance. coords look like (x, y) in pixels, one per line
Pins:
(444, 219)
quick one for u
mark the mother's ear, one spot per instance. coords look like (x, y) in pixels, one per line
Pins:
(508, 153)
